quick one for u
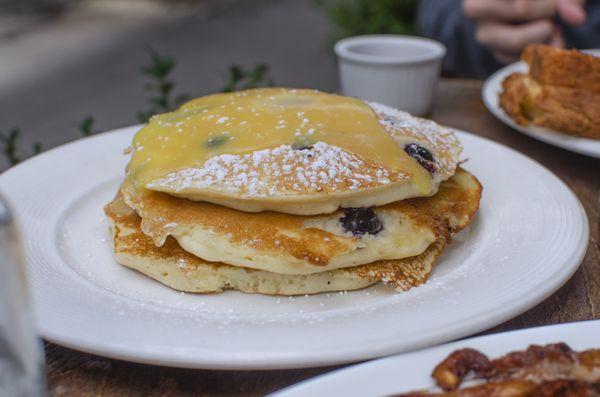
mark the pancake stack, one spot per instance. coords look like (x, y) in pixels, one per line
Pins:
(285, 191)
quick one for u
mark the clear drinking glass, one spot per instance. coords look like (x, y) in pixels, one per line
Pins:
(21, 352)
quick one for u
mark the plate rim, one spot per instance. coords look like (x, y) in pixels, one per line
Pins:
(283, 361)
(548, 136)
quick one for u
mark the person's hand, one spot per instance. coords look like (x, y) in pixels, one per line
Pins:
(506, 27)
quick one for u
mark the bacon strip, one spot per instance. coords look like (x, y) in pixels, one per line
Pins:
(521, 388)
(550, 370)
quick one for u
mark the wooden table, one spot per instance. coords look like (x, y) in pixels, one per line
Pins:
(458, 105)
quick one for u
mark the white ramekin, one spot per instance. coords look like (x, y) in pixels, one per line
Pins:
(399, 71)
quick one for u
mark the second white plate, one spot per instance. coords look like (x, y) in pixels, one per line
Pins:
(410, 372)
(493, 87)
(526, 241)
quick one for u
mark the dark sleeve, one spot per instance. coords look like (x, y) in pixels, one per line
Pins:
(442, 20)
(587, 35)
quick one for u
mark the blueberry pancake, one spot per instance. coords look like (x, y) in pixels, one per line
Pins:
(294, 244)
(300, 152)
(256, 241)
(180, 270)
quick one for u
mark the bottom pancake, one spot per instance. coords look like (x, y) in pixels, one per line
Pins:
(178, 269)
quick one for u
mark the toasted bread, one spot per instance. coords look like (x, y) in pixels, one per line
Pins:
(561, 91)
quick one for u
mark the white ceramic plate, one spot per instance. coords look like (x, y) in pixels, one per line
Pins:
(493, 87)
(411, 371)
(527, 240)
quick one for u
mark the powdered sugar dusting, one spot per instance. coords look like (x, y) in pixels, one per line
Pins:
(440, 140)
(320, 168)
(282, 170)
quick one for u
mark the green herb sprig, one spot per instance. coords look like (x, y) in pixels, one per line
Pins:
(240, 78)
(37, 148)
(86, 126)
(161, 100)
(10, 146)
(161, 86)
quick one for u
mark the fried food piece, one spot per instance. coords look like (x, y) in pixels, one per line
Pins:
(550, 370)
(563, 68)
(560, 92)
(522, 388)
(450, 373)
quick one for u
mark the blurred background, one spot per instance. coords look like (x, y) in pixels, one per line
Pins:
(70, 68)
(74, 67)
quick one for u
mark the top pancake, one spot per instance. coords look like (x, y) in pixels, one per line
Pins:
(302, 152)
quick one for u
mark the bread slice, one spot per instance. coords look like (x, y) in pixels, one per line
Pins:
(560, 92)
(563, 68)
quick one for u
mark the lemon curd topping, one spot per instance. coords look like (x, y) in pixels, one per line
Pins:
(243, 122)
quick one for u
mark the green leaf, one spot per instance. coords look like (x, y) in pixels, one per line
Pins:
(160, 86)
(165, 88)
(181, 99)
(9, 147)
(37, 148)
(241, 78)
(86, 125)
(236, 72)
(143, 117)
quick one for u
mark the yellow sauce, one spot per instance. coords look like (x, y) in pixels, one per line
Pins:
(242, 122)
